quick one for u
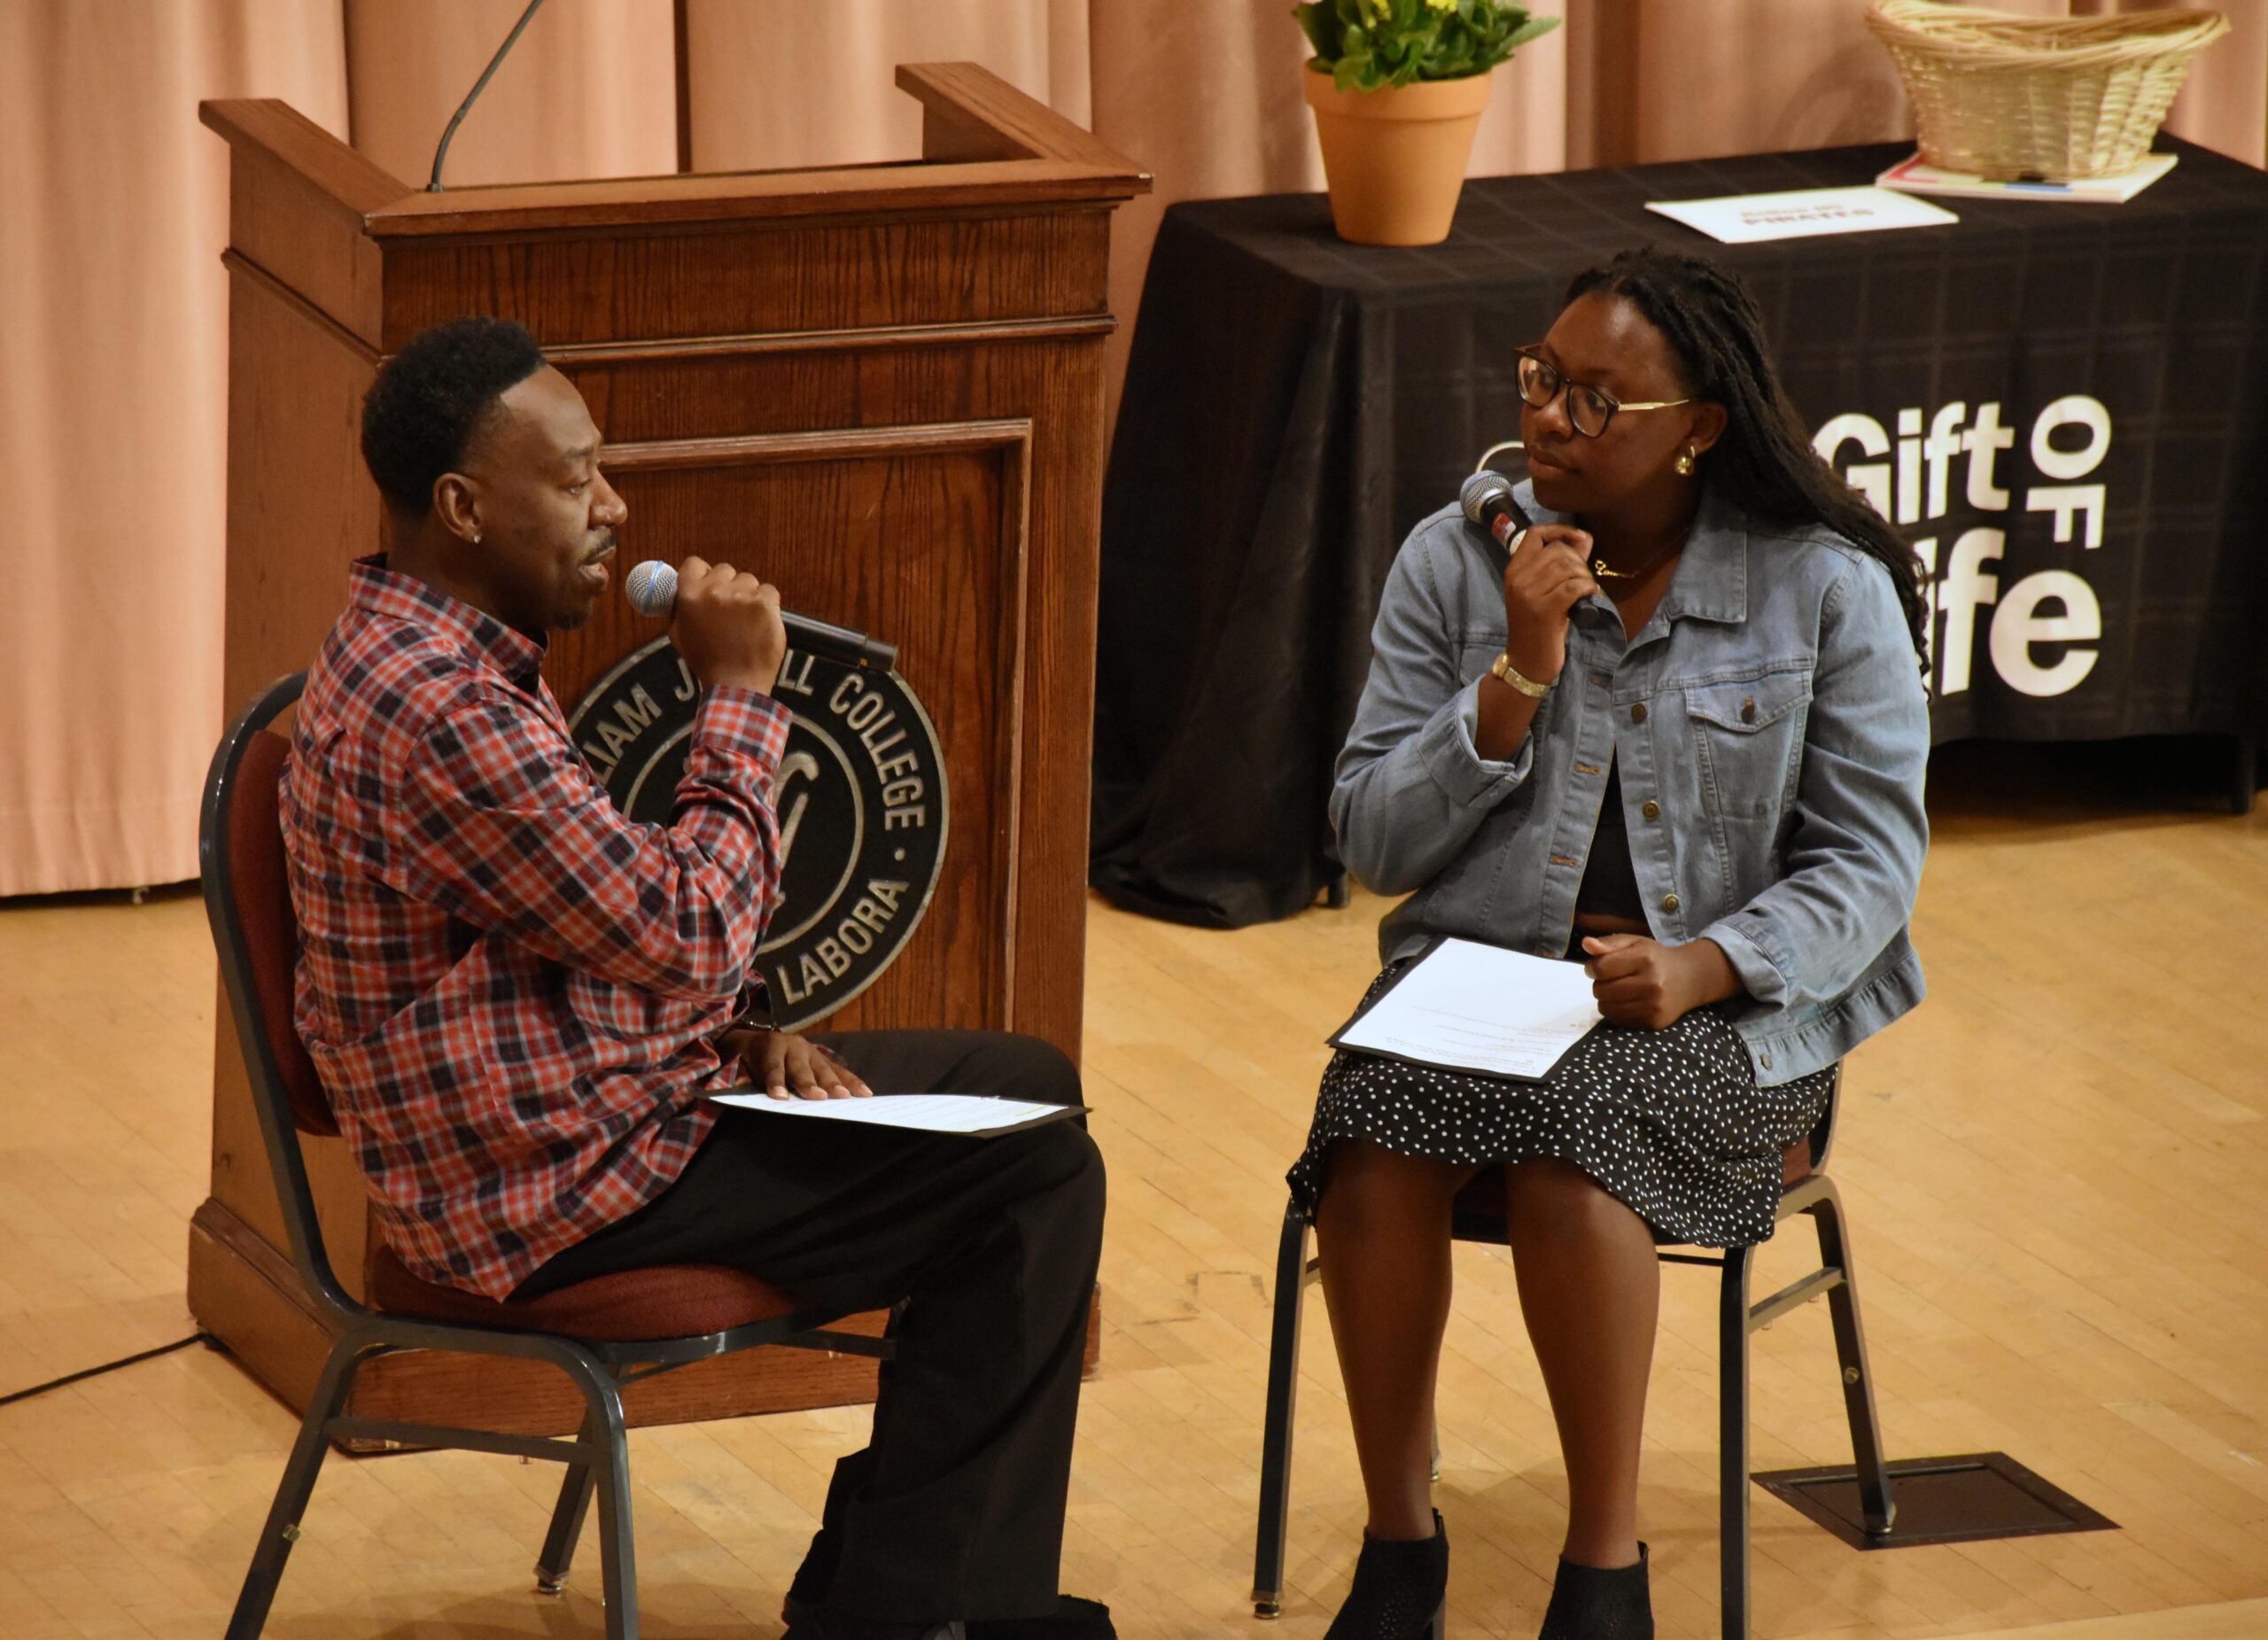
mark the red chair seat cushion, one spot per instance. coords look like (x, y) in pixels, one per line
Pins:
(668, 1301)
(1796, 1164)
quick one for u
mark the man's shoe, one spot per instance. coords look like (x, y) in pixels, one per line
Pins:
(1073, 1619)
(818, 1623)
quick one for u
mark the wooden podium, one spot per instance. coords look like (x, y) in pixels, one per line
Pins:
(881, 386)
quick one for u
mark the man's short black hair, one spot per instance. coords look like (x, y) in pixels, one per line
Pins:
(429, 398)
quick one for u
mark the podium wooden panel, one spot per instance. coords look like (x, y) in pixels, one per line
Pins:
(881, 385)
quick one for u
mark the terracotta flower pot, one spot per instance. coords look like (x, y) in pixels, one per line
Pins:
(1395, 159)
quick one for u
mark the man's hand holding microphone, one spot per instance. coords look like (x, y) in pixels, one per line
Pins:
(726, 624)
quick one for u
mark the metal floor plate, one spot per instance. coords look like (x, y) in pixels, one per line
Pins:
(1965, 1499)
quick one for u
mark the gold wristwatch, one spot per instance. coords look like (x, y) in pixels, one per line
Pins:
(1529, 686)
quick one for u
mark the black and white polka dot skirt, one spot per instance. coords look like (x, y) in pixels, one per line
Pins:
(1671, 1123)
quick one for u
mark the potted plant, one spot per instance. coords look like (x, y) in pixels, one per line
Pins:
(1397, 87)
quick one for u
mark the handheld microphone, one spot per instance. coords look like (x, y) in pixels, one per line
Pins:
(1487, 500)
(651, 588)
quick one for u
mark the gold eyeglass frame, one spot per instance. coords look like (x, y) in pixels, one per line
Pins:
(1567, 381)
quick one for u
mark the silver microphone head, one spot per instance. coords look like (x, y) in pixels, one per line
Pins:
(651, 588)
(1476, 493)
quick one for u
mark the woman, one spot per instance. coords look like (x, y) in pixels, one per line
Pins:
(1678, 736)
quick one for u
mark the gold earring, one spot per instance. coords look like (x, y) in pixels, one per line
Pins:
(1685, 463)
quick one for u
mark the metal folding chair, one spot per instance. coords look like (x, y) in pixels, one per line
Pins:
(1479, 1216)
(603, 1334)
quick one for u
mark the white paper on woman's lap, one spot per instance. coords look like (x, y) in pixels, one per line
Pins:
(1468, 1007)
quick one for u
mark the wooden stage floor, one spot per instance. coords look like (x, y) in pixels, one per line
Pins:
(2056, 1170)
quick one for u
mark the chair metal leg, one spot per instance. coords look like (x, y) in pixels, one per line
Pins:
(1874, 1496)
(618, 1552)
(281, 1529)
(1732, 1440)
(1275, 1426)
(567, 1519)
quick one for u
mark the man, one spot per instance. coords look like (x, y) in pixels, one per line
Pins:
(517, 998)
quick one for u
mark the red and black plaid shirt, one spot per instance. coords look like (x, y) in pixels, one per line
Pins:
(509, 990)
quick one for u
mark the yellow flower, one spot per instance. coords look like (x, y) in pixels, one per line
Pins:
(1382, 10)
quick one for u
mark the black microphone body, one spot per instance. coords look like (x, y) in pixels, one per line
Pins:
(1487, 500)
(651, 589)
(839, 643)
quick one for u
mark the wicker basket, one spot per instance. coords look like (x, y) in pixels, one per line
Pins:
(2052, 99)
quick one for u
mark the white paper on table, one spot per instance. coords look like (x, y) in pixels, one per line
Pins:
(977, 1115)
(1802, 213)
(1468, 1007)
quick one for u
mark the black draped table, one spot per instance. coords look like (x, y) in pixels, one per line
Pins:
(2065, 404)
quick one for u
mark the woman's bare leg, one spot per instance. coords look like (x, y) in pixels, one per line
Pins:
(1383, 1227)
(1590, 1291)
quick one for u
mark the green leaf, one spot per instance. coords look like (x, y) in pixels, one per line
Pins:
(1320, 23)
(1367, 44)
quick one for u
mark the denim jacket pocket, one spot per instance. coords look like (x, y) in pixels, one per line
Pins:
(1748, 736)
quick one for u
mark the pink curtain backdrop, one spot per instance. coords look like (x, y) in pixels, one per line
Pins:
(589, 91)
(113, 301)
(113, 359)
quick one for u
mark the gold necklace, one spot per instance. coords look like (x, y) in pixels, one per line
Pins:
(1599, 569)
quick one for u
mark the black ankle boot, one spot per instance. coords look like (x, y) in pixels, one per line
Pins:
(1398, 1588)
(1600, 1603)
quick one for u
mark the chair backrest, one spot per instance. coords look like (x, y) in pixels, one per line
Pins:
(1822, 1138)
(268, 925)
(248, 902)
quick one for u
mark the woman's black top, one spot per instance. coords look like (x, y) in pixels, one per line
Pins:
(1610, 884)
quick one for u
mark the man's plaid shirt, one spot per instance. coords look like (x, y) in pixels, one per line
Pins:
(509, 990)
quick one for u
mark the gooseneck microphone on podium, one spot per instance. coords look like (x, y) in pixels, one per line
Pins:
(651, 588)
(478, 86)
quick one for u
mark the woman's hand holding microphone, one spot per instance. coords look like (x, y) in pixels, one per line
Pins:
(1547, 578)
(1549, 575)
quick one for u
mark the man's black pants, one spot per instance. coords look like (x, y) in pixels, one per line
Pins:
(955, 1510)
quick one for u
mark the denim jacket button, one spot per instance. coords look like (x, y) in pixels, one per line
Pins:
(1669, 902)
(1764, 1059)
(1638, 712)
(1650, 809)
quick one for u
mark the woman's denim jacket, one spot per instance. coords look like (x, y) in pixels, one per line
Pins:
(1771, 730)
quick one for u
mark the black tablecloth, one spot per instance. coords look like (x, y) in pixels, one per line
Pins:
(1294, 404)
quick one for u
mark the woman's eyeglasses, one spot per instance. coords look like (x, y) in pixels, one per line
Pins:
(1590, 408)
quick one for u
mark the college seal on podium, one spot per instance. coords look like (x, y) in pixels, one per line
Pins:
(861, 799)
